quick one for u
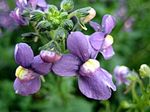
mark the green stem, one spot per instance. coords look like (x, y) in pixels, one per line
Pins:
(134, 95)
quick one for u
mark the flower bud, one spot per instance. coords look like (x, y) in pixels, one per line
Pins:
(68, 24)
(49, 57)
(121, 74)
(144, 71)
(67, 5)
(90, 16)
(125, 104)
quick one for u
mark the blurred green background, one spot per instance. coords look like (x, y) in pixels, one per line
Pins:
(131, 45)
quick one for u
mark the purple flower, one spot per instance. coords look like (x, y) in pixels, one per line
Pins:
(121, 74)
(30, 69)
(22, 4)
(16, 15)
(101, 40)
(94, 82)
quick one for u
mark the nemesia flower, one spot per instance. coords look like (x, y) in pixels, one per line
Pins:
(121, 74)
(22, 4)
(93, 81)
(30, 69)
(101, 40)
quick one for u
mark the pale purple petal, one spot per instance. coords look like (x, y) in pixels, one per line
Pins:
(41, 3)
(21, 3)
(68, 65)
(95, 26)
(97, 86)
(39, 66)
(97, 40)
(108, 23)
(25, 88)
(107, 52)
(107, 79)
(23, 55)
(78, 44)
(16, 15)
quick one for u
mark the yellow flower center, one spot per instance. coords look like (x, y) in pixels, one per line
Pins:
(108, 41)
(25, 74)
(91, 65)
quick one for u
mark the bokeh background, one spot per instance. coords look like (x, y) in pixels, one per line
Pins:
(131, 45)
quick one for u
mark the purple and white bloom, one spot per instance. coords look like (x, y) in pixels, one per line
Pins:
(28, 73)
(93, 81)
(22, 4)
(121, 75)
(101, 40)
(16, 15)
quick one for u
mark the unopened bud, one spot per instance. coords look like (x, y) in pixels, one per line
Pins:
(90, 16)
(144, 71)
(67, 5)
(49, 57)
(68, 24)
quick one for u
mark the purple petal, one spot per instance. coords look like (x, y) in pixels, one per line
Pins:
(16, 15)
(39, 66)
(107, 79)
(41, 3)
(108, 52)
(97, 86)
(95, 26)
(23, 55)
(78, 45)
(108, 23)
(27, 87)
(97, 40)
(68, 65)
(21, 3)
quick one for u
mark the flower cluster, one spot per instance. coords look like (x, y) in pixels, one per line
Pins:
(67, 51)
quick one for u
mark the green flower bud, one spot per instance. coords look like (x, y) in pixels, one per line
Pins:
(37, 15)
(52, 9)
(144, 71)
(45, 25)
(125, 104)
(67, 5)
(68, 24)
(60, 33)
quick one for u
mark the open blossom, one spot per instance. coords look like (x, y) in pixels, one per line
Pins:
(30, 69)
(121, 74)
(101, 40)
(94, 81)
(22, 4)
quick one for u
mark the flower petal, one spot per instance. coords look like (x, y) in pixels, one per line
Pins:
(78, 44)
(97, 40)
(107, 52)
(108, 23)
(95, 26)
(97, 86)
(41, 3)
(23, 55)
(68, 65)
(25, 88)
(94, 87)
(107, 79)
(39, 66)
